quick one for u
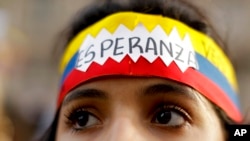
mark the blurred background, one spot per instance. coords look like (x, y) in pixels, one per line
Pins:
(28, 75)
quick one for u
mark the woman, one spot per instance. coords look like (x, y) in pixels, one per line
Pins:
(149, 70)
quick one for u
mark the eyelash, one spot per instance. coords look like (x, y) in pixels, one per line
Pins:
(71, 116)
(174, 108)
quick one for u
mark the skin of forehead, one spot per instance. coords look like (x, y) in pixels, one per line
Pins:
(205, 105)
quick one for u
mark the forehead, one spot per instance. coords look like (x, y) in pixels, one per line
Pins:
(106, 87)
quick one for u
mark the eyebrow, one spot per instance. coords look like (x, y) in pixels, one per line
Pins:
(162, 89)
(84, 93)
(152, 90)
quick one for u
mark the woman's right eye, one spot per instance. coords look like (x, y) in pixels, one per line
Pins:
(82, 119)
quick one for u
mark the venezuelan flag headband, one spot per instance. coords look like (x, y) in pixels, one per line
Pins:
(134, 44)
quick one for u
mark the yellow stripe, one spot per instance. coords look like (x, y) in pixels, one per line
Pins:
(202, 44)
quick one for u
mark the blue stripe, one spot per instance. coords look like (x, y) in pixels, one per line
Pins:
(205, 67)
(69, 67)
(209, 70)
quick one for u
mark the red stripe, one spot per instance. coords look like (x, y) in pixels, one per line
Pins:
(142, 67)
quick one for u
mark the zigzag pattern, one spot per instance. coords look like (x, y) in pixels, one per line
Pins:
(202, 44)
(136, 43)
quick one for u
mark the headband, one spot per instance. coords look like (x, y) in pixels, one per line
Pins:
(134, 44)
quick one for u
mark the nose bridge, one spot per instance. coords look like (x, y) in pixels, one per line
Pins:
(126, 129)
(125, 123)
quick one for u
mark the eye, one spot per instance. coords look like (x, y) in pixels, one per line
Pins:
(171, 116)
(81, 119)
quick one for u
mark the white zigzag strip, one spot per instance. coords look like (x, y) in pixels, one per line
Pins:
(136, 43)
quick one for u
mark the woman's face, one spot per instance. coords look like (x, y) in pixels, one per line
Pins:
(137, 109)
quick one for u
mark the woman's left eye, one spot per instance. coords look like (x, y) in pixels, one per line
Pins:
(171, 116)
(81, 119)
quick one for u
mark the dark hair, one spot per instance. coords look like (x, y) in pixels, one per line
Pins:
(176, 9)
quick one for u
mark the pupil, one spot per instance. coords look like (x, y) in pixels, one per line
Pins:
(83, 118)
(164, 117)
